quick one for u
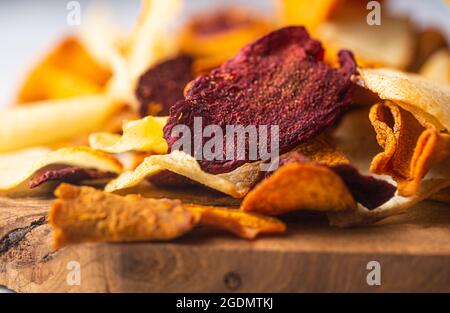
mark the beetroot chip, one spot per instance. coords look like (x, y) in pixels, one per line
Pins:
(68, 174)
(278, 80)
(163, 85)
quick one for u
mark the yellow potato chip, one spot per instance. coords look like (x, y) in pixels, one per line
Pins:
(144, 135)
(437, 67)
(50, 121)
(236, 183)
(17, 167)
(303, 186)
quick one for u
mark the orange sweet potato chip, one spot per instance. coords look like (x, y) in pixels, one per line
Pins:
(300, 186)
(411, 148)
(215, 37)
(242, 224)
(67, 71)
(85, 214)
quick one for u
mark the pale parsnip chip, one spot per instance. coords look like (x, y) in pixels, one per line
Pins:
(390, 44)
(426, 100)
(17, 167)
(145, 135)
(396, 205)
(47, 122)
(236, 183)
(437, 67)
(150, 42)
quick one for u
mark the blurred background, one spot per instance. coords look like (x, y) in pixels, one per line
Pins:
(28, 28)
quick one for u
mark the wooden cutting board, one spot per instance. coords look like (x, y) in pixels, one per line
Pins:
(413, 251)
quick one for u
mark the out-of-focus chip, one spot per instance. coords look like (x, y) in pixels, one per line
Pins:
(437, 67)
(163, 84)
(51, 121)
(429, 42)
(83, 214)
(145, 135)
(67, 71)
(17, 167)
(299, 186)
(307, 13)
(242, 224)
(235, 183)
(389, 44)
(212, 38)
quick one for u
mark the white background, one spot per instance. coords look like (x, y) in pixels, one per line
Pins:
(29, 27)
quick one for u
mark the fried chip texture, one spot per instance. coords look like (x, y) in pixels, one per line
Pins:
(428, 101)
(54, 120)
(145, 135)
(396, 205)
(243, 224)
(17, 167)
(279, 79)
(299, 186)
(410, 148)
(235, 183)
(84, 214)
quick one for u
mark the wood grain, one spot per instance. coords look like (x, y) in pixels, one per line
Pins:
(413, 250)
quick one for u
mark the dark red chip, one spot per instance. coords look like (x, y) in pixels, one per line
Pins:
(163, 85)
(278, 80)
(69, 175)
(168, 179)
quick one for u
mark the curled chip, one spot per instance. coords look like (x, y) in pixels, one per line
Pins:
(411, 124)
(235, 183)
(83, 214)
(145, 135)
(17, 167)
(410, 148)
(163, 85)
(242, 224)
(278, 80)
(68, 174)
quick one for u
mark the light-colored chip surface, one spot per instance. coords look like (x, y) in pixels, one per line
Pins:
(17, 167)
(236, 183)
(145, 135)
(425, 99)
(50, 121)
(437, 67)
